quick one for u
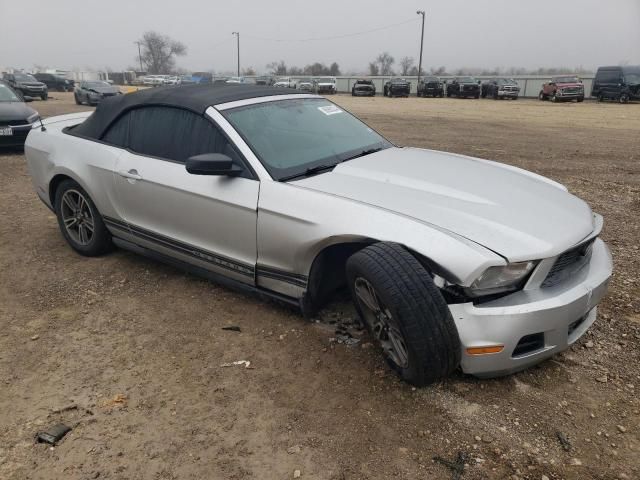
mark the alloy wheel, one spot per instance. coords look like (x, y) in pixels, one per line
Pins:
(381, 323)
(77, 217)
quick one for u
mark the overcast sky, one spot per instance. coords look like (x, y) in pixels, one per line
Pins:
(459, 33)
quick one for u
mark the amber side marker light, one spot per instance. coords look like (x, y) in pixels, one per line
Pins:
(485, 350)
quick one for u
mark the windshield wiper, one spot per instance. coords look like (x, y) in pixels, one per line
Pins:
(363, 153)
(310, 171)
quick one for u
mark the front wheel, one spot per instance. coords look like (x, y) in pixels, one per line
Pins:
(79, 220)
(542, 96)
(75, 97)
(624, 98)
(404, 312)
(44, 96)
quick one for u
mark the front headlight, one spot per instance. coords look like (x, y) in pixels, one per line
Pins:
(502, 278)
(33, 118)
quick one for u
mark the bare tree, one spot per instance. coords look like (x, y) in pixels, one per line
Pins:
(249, 72)
(374, 70)
(334, 70)
(405, 65)
(277, 68)
(159, 52)
(385, 61)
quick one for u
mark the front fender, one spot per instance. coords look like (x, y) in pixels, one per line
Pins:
(295, 224)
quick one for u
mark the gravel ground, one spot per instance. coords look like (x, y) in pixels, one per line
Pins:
(128, 352)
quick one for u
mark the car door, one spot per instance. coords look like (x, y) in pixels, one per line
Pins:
(208, 221)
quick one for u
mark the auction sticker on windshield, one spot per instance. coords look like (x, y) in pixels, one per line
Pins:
(6, 131)
(329, 109)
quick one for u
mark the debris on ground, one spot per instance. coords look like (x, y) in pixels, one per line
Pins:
(294, 449)
(246, 363)
(456, 467)
(297, 473)
(564, 441)
(232, 328)
(35, 337)
(53, 435)
(118, 400)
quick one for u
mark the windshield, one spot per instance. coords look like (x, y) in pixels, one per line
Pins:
(96, 84)
(632, 78)
(430, 79)
(326, 80)
(8, 95)
(364, 82)
(506, 81)
(291, 136)
(467, 80)
(23, 77)
(566, 80)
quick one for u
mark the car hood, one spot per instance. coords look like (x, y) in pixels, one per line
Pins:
(14, 111)
(104, 89)
(515, 213)
(30, 84)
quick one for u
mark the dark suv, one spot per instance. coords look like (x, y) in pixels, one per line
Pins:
(617, 83)
(26, 85)
(430, 86)
(463, 87)
(55, 82)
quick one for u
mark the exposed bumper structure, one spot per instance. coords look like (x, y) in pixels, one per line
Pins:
(544, 321)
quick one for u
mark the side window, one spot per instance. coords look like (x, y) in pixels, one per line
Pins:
(176, 134)
(118, 133)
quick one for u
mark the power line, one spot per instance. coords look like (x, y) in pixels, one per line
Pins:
(333, 37)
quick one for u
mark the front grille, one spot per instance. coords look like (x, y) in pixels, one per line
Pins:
(528, 344)
(14, 123)
(571, 90)
(569, 263)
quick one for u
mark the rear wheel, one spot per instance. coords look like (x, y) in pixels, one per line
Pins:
(542, 96)
(79, 220)
(404, 313)
(624, 98)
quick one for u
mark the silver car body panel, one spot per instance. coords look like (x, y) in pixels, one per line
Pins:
(463, 214)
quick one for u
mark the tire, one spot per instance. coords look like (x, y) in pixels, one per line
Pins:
(90, 244)
(424, 346)
(75, 97)
(448, 94)
(44, 96)
(554, 98)
(541, 96)
(580, 99)
(624, 98)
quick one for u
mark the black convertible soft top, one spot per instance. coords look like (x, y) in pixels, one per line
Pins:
(196, 98)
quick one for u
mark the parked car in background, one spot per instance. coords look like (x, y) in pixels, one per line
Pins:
(285, 82)
(55, 82)
(202, 77)
(499, 88)
(326, 85)
(265, 80)
(220, 80)
(451, 261)
(27, 85)
(562, 88)
(173, 80)
(16, 117)
(397, 87)
(306, 84)
(617, 83)
(186, 80)
(430, 87)
(363, 88)
(241, 80)
(463, 87)
(92, 92)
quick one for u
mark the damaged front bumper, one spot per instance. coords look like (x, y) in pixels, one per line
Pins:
(532, 325)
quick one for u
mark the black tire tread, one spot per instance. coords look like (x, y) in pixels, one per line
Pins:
(423, 314)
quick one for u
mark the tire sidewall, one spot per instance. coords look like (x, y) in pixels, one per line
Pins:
(101, 240)
(353, 272)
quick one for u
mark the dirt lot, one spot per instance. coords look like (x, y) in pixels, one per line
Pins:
(130, 350)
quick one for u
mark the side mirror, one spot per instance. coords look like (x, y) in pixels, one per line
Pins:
(213, 164)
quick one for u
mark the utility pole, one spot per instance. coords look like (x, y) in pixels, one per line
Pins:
(237, 34)
(139, 56)
(421, 12)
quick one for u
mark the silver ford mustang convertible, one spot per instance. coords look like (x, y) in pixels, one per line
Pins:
(451, 261)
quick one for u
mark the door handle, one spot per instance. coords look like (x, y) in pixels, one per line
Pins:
(132, 174)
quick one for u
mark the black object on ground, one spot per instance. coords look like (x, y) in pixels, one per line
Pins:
(457, 467)
(53, 435)
(564, 441)
(232, 328)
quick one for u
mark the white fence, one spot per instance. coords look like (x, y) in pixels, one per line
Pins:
(530, 86)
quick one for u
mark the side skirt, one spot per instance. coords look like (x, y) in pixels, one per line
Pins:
(215, 277)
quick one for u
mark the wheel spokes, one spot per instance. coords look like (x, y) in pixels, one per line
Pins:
(367, 295)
